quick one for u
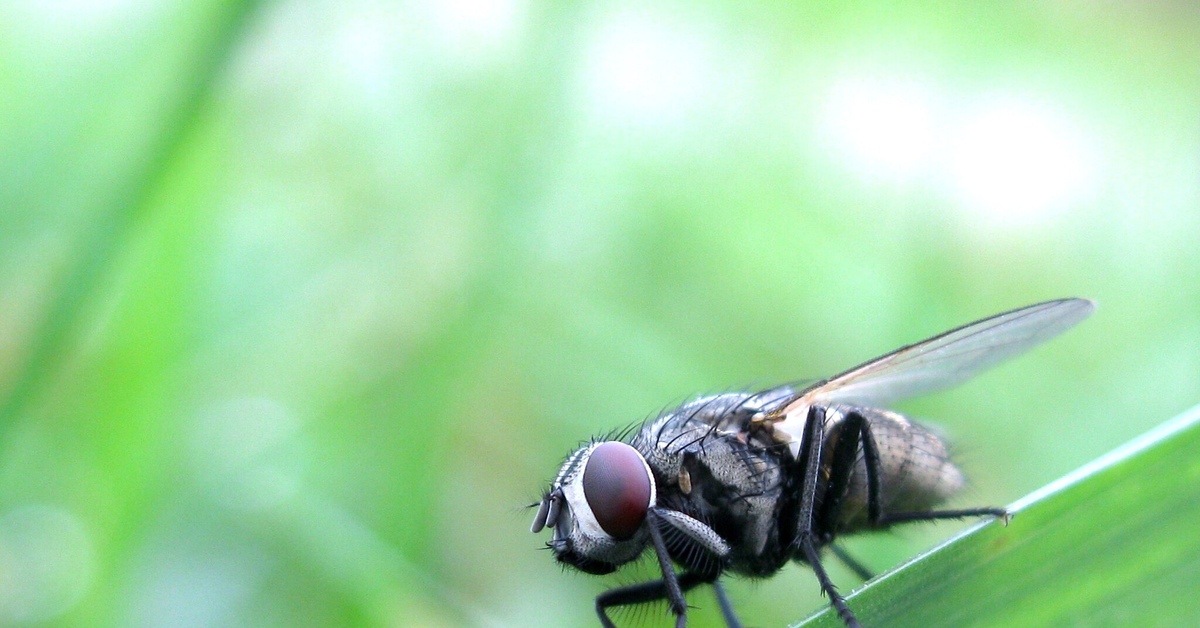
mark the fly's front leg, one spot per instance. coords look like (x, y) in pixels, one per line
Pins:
(651, 591)
(670, 581)
(672, 587)
(657, 590)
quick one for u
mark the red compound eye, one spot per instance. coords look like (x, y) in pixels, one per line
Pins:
(617, 487)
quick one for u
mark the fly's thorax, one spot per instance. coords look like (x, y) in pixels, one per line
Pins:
(721, 477)
(662, 440)
(737, 487)
(916, 472)
(734, 412)
(597, 507)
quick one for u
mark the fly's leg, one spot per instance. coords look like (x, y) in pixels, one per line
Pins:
(835, 598)
(671, 587)
(651, 591)
(900, 517)
(670, 580)
(814, 437)
(857, 428)
(851, 434)
(731, 619)
(853, 563)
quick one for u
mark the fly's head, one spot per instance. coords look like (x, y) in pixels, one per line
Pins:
(597, 507)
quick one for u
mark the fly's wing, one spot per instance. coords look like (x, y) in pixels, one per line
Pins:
(942, 361)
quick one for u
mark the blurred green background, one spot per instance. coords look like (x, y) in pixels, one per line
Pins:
(301, 303)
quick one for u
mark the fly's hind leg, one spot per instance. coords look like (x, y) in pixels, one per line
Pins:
(856, 429)
(852, 433)
(932, 515)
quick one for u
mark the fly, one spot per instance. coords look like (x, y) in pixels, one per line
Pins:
(746, 482)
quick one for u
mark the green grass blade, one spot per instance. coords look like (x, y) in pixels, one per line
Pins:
(125, 206)
(1113, 543)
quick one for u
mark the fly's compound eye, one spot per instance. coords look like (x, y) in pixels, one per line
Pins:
(617, 486)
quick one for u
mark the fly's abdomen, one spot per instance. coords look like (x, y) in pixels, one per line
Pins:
(915, 471)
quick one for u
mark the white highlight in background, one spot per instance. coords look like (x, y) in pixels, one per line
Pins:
(477, 29)
(1008, 159)
(1018, 163)
(642, 70)
(883, 129)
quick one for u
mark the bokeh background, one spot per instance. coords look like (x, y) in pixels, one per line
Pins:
(301, 303)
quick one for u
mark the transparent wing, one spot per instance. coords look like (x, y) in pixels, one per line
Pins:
(947, 359)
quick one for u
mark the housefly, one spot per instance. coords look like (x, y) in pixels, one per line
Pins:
(745, 482)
